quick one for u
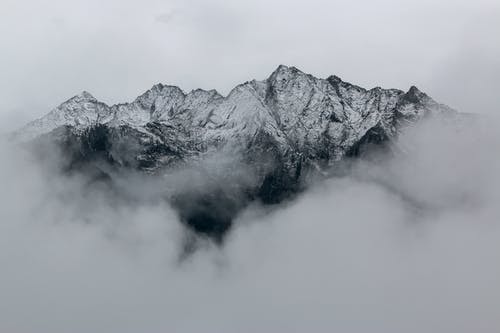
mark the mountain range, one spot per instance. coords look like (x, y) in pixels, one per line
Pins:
(216, 154)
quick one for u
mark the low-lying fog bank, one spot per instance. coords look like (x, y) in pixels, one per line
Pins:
(411, 244)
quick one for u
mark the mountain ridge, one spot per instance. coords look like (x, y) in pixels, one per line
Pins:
(139, 111)
(263, 141)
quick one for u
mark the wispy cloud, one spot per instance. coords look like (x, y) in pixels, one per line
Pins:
(353, 254)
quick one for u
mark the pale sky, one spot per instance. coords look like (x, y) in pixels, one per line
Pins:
(52, 50)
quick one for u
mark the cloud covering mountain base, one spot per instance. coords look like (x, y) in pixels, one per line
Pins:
(407, 244)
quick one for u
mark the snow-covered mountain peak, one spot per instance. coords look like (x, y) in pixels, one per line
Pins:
(283, 75)
(290, 106)
(414, 95)
(281, 130)
(203, 92)
(283, 72)
(334, 79)
(85, 95)
(160, 92)
(82, 97)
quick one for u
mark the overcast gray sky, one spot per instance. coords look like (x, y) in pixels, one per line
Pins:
(51, 50)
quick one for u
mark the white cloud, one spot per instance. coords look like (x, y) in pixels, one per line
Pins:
(410, 245)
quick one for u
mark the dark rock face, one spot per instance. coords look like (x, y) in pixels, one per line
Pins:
(209, 213)
(101, 152)
(261, 143)
(375, 139)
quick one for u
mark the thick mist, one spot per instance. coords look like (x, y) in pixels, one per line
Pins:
(408, 243)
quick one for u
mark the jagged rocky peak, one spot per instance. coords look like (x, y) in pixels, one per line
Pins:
(280, 130)
(161, 96)
(414, 95)
(289, 105)
(202, 93)
(337, 83)
(334, 79)
(289, 78)
(80, 99)
(200, 98)
(86, 96)
(283, 72)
